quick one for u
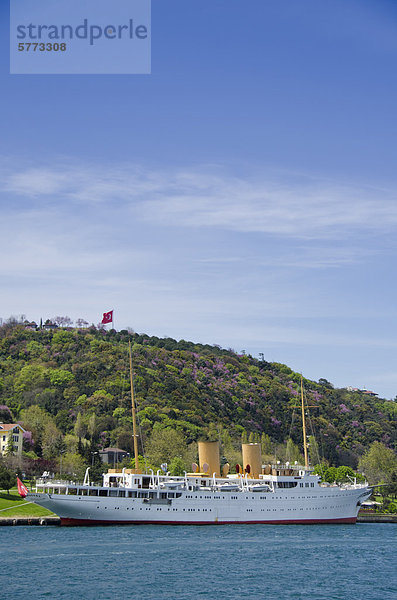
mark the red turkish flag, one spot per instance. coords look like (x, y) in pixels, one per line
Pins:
(107, 317)
(22, 489)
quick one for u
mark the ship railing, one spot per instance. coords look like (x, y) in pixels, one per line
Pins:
(50, 482)
(56, 487)
(287, 466)
(327, 484)
(345, 486)
(354, 486)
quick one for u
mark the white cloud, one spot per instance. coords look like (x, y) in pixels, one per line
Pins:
(36, 181)
(307, 257)
(299, 213)
(286, 206)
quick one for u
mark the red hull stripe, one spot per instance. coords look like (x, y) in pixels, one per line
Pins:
(345, 520)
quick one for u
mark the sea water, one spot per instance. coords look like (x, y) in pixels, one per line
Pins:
(318, 562)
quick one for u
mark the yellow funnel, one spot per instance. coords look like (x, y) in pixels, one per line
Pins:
(209, 458)
(252, 457)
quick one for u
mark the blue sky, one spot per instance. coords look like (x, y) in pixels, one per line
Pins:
(243, 194)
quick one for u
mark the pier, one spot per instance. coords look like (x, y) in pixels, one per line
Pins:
(377, 518)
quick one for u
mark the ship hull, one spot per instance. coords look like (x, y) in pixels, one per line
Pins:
(327, 506)
(68, 522)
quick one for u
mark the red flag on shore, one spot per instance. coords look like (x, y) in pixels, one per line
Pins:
(22, 489)
(107, 317)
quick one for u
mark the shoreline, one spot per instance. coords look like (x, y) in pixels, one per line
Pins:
(30, 521)
(380, 518)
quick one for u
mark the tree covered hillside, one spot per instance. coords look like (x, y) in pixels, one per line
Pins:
(70, 388)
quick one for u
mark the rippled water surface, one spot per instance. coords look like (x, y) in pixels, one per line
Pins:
(163, 562)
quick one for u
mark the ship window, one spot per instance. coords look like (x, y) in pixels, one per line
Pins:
(93, 492)
(113, 493)
(132, 494)
(122, 493)
(171, 495)
(72, 491)
(103, 492)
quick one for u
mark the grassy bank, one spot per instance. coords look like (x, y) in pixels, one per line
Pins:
(12, 505)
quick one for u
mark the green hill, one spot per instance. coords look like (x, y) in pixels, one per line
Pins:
(79, 379)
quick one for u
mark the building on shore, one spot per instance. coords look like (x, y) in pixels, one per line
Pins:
(11, 432)
(112, 456)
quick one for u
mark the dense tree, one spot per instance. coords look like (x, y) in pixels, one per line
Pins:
(266, 444)
(10, 446)
(63, 321)
(177, 466)
(7, 478)
(72, 464)
(71, 443)
(342, 474)
(52, 441)
(80, 428)
(31, 377)
(35, 419)
(5, 414)
(92, 426)
(292, 452)
(82, 323)
(164, 445)
(325, 383)
(60, 377)
(379, 464)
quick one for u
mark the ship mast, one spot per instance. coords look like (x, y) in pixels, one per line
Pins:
(135, 435)
(304, 427)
